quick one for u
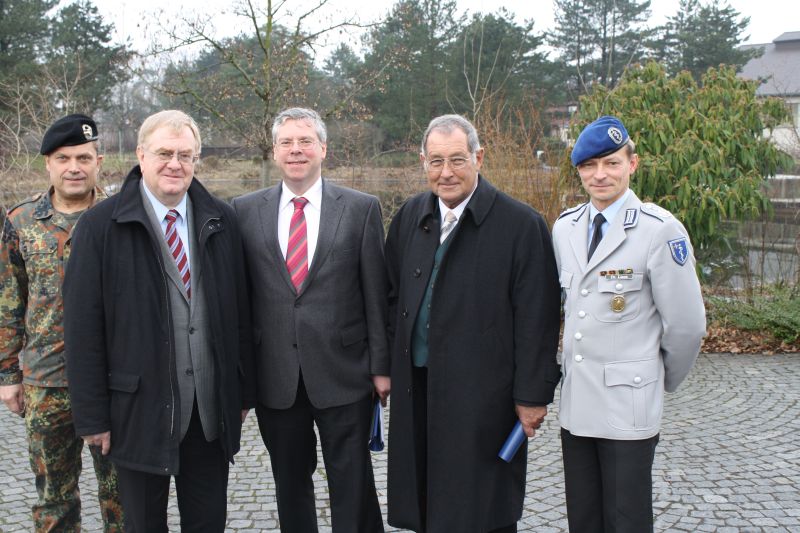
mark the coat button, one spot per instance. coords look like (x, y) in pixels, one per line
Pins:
(297, 304)
(578, 358)
(425, 228)
(578, 335)
(584, 292)
(637, 380)
(294, 345)
(191, 330)
(417, 272)
(189, 372)
(618, 286)
(582, 314)
(405, 313)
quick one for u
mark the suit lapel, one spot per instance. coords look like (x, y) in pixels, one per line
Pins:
(268, 216)
(330, 214)
(578, 238)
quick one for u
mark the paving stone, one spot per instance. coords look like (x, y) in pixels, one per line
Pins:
(727, 462)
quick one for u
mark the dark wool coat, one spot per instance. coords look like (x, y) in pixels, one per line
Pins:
(493, 338)
(119, 336)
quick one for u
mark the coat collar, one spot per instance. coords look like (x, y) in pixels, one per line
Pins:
(478, 207)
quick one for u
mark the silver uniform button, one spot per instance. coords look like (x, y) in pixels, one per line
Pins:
(579, 358)
(578, 336)
(618, 286)
(584, 292)
(582, 314)
(637, 380)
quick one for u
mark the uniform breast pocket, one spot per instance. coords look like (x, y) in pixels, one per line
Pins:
(619, 299)
(43, 265)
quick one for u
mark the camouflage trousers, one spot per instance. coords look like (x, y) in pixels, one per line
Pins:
(55, 455)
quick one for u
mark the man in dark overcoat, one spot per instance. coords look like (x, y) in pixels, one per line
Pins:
(157, 331)
(474, 320)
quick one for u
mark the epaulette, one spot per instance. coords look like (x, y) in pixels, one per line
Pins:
(572, 210)
(655, 211)
(32, 199)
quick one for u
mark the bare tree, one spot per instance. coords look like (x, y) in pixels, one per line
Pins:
(267, 67)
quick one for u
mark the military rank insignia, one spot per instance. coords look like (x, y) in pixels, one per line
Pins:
(679, 249)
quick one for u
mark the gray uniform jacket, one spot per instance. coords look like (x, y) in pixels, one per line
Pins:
(634, 319)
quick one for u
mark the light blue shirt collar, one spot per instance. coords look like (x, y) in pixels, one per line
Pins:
(609, 212)
(161, 210)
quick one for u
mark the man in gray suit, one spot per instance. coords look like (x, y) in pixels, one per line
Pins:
(157, 333)
(314, 254)
(634, 319)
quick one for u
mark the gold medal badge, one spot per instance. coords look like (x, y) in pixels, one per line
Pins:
(618, 303)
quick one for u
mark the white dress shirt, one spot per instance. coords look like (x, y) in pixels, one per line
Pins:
(181, 223)
(311, 211)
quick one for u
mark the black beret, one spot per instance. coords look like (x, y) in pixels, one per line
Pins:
(71, 130)
(604, 136)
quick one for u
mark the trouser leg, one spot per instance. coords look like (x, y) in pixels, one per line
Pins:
(202, 485)
(344, 434)
(55, 457)
(292, 444)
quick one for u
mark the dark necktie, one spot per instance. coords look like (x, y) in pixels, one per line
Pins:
(176, 248)
(297, 249)
(597, 233)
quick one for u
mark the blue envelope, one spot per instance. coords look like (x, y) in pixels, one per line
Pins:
(376, 432)
(512, 443)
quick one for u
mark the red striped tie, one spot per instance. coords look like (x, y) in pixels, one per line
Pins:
(297, 249)
(176, 247)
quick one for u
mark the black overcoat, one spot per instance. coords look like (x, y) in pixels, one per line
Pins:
(492, 338)
(119, 336)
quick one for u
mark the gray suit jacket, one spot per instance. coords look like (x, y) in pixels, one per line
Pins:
(334, 330)
(190, 323)
(633, 319)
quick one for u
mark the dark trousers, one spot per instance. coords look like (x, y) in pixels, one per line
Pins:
(609, 484)
(292, 445)
(201, 487)
(419, 376)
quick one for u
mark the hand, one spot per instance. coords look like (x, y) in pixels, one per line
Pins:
(244, 414)
(531, 418)
(103, 440)
(383, 385)
(14, 398)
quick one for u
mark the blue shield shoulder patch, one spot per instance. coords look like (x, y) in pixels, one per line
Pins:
(679, 249)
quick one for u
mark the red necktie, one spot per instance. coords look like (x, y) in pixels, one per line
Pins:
(176, 247)
(297, 249)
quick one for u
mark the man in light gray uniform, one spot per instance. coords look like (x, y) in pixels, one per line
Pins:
(634, 319)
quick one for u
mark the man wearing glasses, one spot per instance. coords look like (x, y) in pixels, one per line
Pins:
(474, 315)
(315, 261)
(157, 333)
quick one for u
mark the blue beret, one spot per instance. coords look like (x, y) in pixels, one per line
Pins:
(71, 130)
(604, 136)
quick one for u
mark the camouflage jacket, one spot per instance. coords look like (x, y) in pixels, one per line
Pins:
(34, 249)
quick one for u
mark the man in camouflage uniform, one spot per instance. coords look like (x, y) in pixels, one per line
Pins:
(35, 247)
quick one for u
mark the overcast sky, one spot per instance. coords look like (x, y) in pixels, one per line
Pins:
(768, 18)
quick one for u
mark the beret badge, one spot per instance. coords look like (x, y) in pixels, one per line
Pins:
(615, 134)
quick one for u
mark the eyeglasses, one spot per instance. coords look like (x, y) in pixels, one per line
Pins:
(304, 144)
(437, 165)
(165, 156)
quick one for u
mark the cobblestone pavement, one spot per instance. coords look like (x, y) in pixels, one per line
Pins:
(728, 461)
